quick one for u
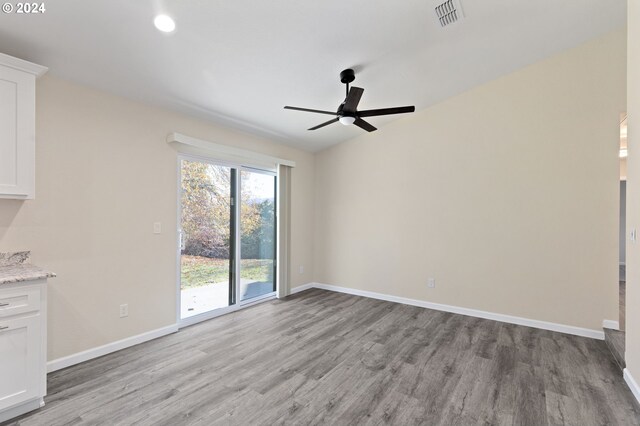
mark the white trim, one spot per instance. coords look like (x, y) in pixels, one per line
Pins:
(302, 288)
(190, 145)
(631, 382)
(236, 257)
(20, 409)
(611, 324)
(22, 65)
(544, 325)
(179, 241)
(68, 361)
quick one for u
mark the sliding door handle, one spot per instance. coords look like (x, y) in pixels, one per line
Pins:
(181, 238)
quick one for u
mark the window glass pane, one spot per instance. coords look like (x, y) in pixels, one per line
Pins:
(257, 234)
(205, 277)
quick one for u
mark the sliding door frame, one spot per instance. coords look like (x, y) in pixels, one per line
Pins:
(236, 188)
(271, 294)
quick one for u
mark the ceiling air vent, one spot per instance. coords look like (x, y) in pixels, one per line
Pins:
(449, 12)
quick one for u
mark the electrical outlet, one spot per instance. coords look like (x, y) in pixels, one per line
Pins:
(431, 283)
(157, 228)
(301, 269)
(124, 310)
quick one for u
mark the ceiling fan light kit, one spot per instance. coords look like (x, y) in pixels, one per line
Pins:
(348, 113)
(346, 120)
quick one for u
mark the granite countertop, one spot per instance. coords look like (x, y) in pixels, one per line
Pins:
(15, 267)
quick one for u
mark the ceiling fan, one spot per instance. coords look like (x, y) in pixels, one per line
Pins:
(347, 111)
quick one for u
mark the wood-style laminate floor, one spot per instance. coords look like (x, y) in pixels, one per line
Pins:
(328, 358)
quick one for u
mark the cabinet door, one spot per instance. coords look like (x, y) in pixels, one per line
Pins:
(17, 133)
(19, 360)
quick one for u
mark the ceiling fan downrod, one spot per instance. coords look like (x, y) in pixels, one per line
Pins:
(347, 76)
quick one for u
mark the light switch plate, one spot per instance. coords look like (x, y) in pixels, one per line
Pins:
(157, 228)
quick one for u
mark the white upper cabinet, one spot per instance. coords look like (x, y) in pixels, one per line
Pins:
(18, 126)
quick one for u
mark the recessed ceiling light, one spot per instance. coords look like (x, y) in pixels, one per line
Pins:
(164, 23)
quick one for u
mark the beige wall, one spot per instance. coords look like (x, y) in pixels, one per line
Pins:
(507, 195)
(632, 355)
(104, 175)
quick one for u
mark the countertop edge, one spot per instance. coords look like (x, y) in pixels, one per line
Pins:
(32, 275)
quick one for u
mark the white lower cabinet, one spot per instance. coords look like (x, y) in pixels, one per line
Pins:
(22, 348)
(19, 351)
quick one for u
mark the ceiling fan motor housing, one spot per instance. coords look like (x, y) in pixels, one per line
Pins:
(347, 76)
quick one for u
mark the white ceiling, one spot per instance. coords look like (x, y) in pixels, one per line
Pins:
(239, 62)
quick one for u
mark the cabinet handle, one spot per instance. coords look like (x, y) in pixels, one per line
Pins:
(4, 327)
(4, 304)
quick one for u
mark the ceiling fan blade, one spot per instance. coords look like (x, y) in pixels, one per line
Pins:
(324, 124)
(386, 111)
(353, 99)
(311, 110)
(364, 125)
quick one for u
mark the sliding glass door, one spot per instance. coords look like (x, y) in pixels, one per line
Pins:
(206, 237)
(257, 234)
(227, 236)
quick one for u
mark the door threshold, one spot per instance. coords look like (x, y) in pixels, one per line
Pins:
(186, 322)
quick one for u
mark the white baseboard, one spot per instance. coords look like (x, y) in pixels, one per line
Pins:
(21, 409)
(631, 382)
(302, 288)
(611, 324)
(68, 361)
(544, 325)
